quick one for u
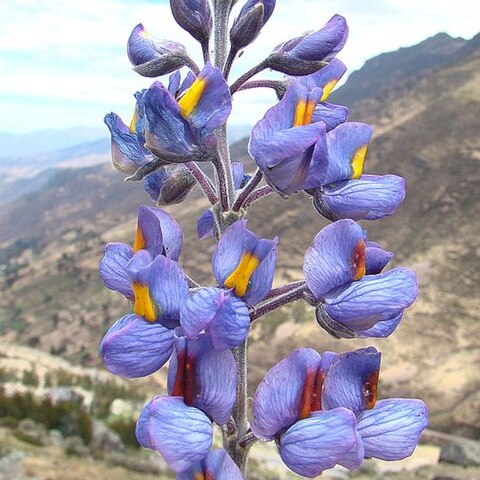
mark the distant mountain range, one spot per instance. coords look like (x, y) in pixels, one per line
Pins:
(424, 103)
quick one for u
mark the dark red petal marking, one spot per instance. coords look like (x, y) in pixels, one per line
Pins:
(369, 389)
(359, 260)
(311, 399)
(185, 385)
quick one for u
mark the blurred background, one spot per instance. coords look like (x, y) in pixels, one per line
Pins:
(414, 75)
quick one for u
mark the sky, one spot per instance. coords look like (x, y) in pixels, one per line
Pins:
(63, 63)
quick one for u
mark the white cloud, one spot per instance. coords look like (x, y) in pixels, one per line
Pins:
(73, 51)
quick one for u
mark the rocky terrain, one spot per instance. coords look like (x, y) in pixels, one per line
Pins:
(424, 103)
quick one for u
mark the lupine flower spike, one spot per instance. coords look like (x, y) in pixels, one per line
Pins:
(320, 409)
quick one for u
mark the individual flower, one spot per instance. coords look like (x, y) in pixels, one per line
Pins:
(195, 17)
(287, 408)
(388, 429)
(182, 126)
(154, 58)
(157, 232)
(141, 343)
(216, 465)
(305, 54)
(250, 21)
(245, 263)
(296, 154)
(202, 385)
(206, 221)
(351, 296)
(128, 143)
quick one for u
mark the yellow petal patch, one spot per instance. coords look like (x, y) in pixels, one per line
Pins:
(133, 123)
(139, 243)
(189, 100)
(358, 160)
(199, 476)
(303, 113)
(240, 277)
(143, 304)
(327, 89)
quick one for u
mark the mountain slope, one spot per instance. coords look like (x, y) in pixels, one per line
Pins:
(426, 129)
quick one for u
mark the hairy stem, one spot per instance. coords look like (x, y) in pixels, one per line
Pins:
(225, 177)
(222, 184)
(279, 86)
(247, 76)
(228, 64)
(275, 292)
(277, 302)
(203, 181)
(192, 65)
(249, 187)
(257, 195)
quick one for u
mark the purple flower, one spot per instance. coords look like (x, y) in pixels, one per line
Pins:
(181, 126)
(351, 296)
(252, 18)
(202, 383)
(140, 344)
(323, 410)
(206, 221)
(128, 150)
(152, 59)
(195, 17)
(304, 55)
(157, 232)
(245, 263)
(216, 465)
(287, 408)
(388, 429)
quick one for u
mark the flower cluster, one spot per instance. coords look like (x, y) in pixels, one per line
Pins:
(321, 409)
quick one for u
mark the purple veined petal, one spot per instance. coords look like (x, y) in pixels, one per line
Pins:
(376, 258)
(372, 299)
(113, 268)
(323, 44)
(216, 465)
(154, 182)
(187, 81)
(261, 280)
(382, 329)
(205, 224)
(346, 149)
(277, 401)
(240, 179)
(207, 104)
(137, 125)
(127, 152)
(182, 435)
(332, 115)
(169, 289)
(335, 258)
(221, 314)
(140, 47)
(174, 83)
(318, 442)
(368, 198)
(351, 381)
(213, 388)
(134, 348)
(166, 130)
(355, 456)
(392, 429)
(158, 233)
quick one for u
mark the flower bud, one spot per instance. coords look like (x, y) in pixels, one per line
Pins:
(253, 16)
(308, 53)
(194, 16)
(169, 185)
(152, 59)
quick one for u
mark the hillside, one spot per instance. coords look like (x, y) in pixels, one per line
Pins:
(426, 129)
